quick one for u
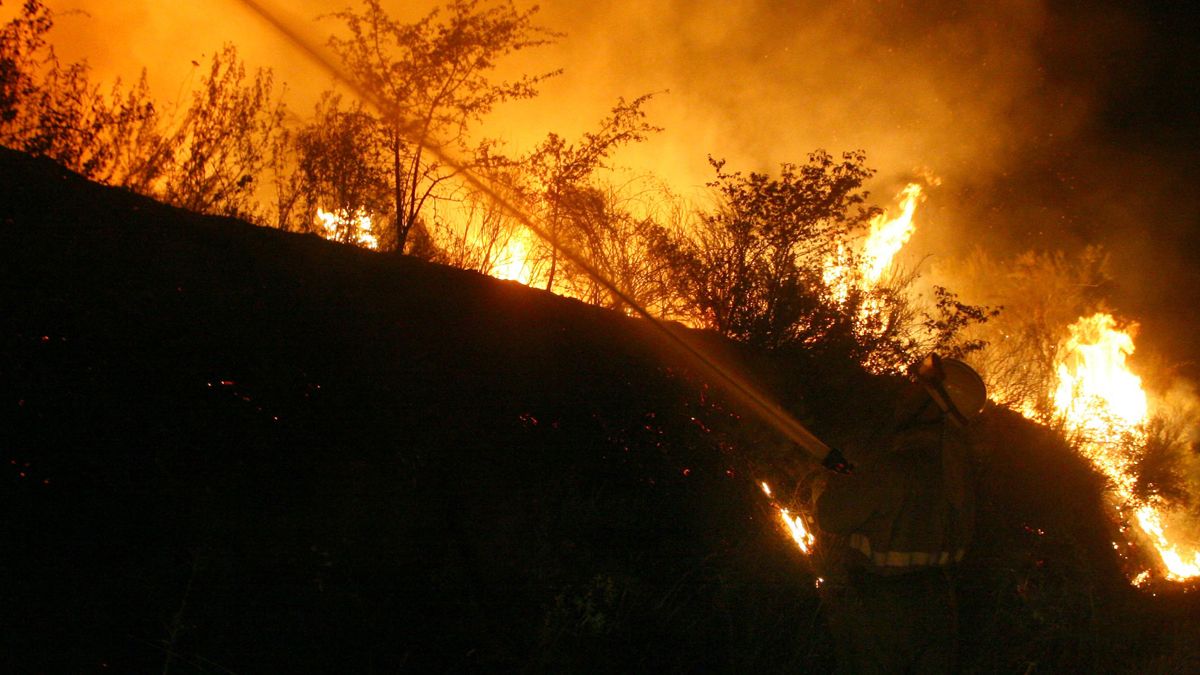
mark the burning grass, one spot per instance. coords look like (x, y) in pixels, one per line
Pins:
(1105, 413)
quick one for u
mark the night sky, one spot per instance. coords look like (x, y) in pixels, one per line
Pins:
(1128, 179)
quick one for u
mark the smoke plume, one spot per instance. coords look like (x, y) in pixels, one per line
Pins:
(1050, 124)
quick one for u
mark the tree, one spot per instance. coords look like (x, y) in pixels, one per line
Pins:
(288, 182)
(339, 156)
(22, 46)
(103, 137)
(209, 161)
(54, 110)
(223, 144)
(616, 230)
(433, 77)
(753, 267)
(559, 172)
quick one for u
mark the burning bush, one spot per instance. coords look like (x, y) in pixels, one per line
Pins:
(754, 268)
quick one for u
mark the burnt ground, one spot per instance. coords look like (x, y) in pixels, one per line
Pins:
(225, 448)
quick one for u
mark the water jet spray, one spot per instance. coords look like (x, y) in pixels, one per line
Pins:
(744, 392)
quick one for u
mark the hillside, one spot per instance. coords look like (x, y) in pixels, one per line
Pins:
(261, 451)
(232, 449)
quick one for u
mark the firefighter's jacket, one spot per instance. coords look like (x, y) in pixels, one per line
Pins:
(911, 510)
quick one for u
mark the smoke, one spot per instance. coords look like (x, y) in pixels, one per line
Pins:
(955, 90)
(963, 91)
(1045, 122)
(1051, 123)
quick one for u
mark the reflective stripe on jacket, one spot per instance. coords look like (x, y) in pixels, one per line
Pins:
(909, 510)
(900, 559)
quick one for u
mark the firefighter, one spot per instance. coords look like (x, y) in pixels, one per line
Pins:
(907, 518)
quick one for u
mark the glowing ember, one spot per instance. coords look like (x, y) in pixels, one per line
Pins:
(1102, 405)
(344, 226)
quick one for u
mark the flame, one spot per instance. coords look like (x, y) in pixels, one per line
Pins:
(1102, 404)
(512, 262)
(887, 237)
(883, 241)
(345, 226)
(1092, 372)
(1178, 567)
(800, 534)
(836, 274)
(794, 525)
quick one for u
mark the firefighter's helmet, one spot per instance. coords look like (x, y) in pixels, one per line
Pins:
(956, 388)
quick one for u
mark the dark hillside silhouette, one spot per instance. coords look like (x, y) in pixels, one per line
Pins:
(263, 451)
(229, 448)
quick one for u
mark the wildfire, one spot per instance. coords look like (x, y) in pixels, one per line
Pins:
(348, 227)
(883, 241)
(887, 237)
(512, 262)
(1102, 404)
(794, 525)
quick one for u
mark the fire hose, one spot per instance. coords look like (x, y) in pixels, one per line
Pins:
(744, 392)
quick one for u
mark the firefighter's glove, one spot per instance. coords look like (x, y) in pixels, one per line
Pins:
(836, 461)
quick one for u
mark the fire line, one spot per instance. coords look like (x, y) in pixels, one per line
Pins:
(743, 391)
(1103, 405)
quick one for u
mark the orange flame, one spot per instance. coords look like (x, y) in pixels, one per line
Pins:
(512, 262)
(884, 240)
(1092, 372)
(794, 525)
(887, 237)
(1102, 404)
(800, 534)
(345, 226)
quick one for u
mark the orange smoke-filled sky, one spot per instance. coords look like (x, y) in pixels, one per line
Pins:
(1049, 122)
(951, 92)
